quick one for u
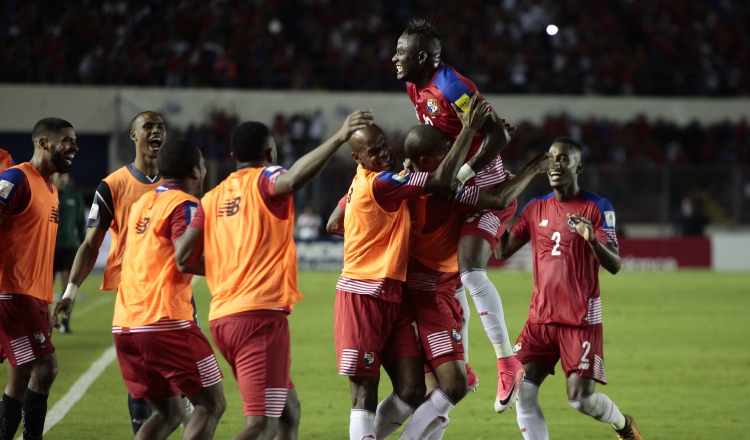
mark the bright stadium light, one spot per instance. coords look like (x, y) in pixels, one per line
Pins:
(551, 29)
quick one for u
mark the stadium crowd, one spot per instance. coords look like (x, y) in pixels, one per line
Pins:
(642, 47)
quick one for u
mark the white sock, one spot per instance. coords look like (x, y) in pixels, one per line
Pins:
(600, 407)
(430, 415)
(490, 308)
(440, 431)
(391, 414)
(461, 297)
(529, 414)
(361, 424)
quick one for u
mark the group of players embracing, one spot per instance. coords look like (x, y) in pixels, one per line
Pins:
(412, 242)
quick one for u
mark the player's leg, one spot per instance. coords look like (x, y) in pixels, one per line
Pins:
(478, 237)
(364, 404)
(166, 415)
(528, 411)
(472, 381)
(12, 400)
(290, 417)
(209, 405)
(139, 411)
(583, 362)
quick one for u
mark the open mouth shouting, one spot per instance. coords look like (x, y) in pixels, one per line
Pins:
(155, 143)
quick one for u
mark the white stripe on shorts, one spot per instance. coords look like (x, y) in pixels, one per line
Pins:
(21, 348)
(440, 343)
(599, 369)
(348, 362)
(275, 401)
(209, 371)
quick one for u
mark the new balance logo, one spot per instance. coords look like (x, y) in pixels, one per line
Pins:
(54, 216)
(544, 222)
(142, 225)
(230, 207)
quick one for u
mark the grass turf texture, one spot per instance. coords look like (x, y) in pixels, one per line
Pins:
(676, 347)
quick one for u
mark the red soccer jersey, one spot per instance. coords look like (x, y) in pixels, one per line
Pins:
(432, 103)
(566, 272)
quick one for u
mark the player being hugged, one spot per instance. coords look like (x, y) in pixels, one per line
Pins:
(572, 234)
(434, 87)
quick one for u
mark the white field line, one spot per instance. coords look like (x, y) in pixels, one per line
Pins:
(78, 389)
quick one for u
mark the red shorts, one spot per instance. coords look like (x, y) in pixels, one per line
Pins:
(256, 345)
(166, 363)
(489, 224)
(432, 296)
(24, 329)
(370, 332)
(581, 349)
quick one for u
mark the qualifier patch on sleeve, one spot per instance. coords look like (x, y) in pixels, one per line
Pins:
(5, 188)
(609, 218)
(94, 213)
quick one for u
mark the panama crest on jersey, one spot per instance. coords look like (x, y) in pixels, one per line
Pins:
(368, 358)
(432, 106)
(456, 335)
(39, 337)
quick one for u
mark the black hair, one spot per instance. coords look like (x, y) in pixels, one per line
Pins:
(48, 127)
(420, 26)
(132, 121)
(248, 141)
(570, 142)
(424, 140)
(177, 158)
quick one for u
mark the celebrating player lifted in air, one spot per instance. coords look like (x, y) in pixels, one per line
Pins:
(244, 227)
(572, 234)
(433, 86)
(28, 226)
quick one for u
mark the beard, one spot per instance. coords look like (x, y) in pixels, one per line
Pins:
(61, 165)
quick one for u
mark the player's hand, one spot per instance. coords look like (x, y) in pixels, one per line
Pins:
(510, 175)
(355, 121)
(583, 226)
(478, 112)
(507, 126)
(408, 167)
(64, 306)
(540, 164)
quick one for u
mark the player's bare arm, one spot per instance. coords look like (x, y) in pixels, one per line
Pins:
(442, 179)
(507, 245)
(82, 266)
(509, 190)
(188, 250)
(335, 225)
(496, 138)
(311, 164)
(606, 253)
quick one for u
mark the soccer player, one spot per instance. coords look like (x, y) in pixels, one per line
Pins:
(433, 87)
(572, 234)
(372, 325)
(28, 225)
(5, 160)
(70, 231)
(161, 349)
(244, 227)
(110, 210)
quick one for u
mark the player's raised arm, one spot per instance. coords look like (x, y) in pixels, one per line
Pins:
(442, 179)
(496, 138)
(606, 253)
(509, 190)
(311, 164)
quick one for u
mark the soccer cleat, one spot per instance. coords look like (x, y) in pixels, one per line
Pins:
(630, 431)
(471, 379)
(188, 411)
(509, 377)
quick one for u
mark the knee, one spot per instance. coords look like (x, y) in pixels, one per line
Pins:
(45, 372)
(412, 393)
(456, 388)
(218, 405)
(292, 412)
(584, 405)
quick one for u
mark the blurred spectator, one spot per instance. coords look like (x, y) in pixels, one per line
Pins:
(642, 47)
(309, 224)
(690, 220)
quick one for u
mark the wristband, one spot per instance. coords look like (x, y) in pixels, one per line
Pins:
(70, 292)
(465, 173)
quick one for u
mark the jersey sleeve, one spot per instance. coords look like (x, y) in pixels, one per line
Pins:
(521, 227)
(179, 220)
(390, 189)
(102, 211)
(199, 220)
(342, 202)
(277, 204)
(604, 227)
(467, 198)
(15, 193)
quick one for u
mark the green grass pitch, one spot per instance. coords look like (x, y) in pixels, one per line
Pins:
(676, 350)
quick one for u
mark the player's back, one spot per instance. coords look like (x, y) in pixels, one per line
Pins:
(251, 258)
(126, 186)
(566, 272)
(152, 286)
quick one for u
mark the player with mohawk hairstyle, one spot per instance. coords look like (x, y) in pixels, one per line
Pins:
(434, 87)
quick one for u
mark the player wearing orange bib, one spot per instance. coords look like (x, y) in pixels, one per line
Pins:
(244, 228)
(28, 227)
(110, 210)
(161, 350)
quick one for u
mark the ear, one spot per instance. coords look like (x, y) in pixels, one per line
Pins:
(579, 168)
(132, 136)
(269, 155)
(422, 56)
(356, 158)
(231, 154)
(195, 173)
(43, 144)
